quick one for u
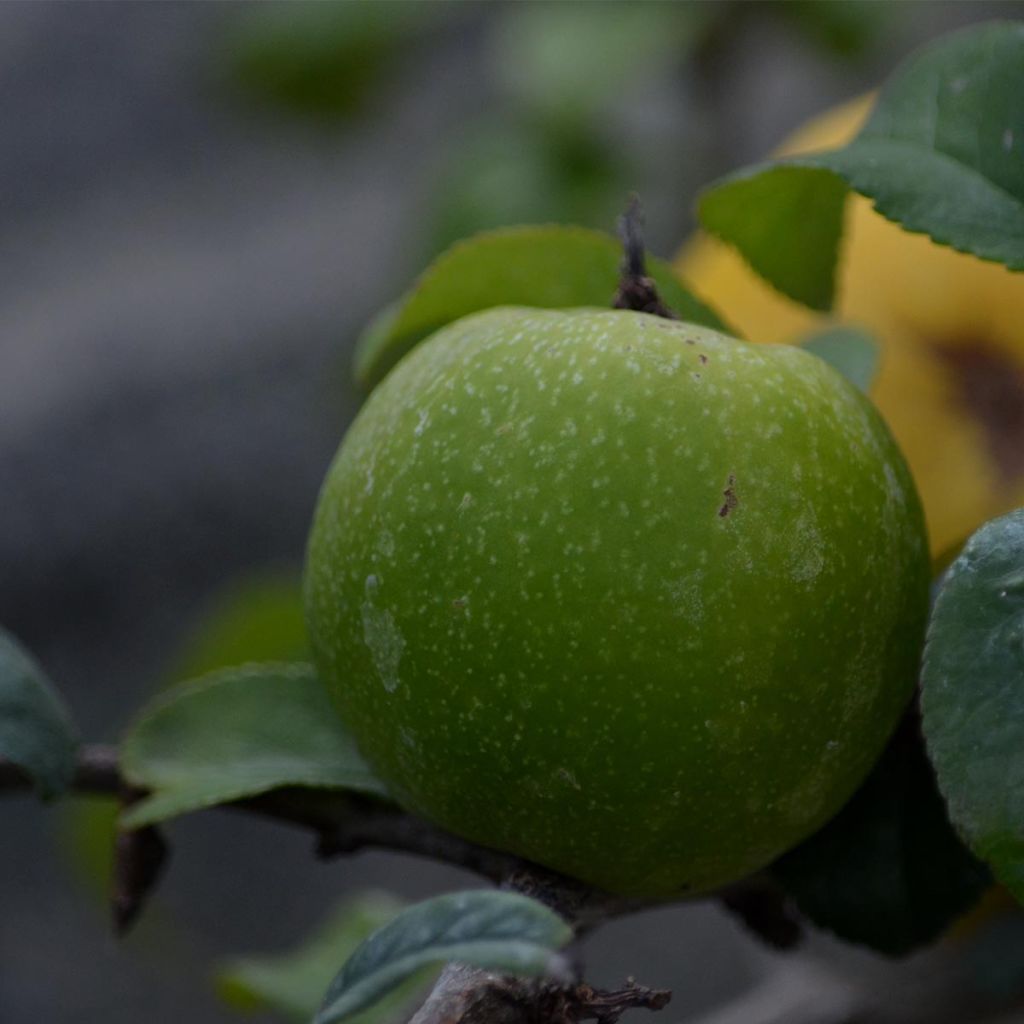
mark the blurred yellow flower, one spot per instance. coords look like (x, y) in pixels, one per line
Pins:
(951, 327)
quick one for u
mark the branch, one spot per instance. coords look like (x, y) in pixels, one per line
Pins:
(470, 995)
(346, 823)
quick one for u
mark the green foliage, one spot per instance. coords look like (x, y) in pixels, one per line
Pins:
(237, 733)
(942, 154)
(574, 59)
(501, 931)
(850, 350)
(257, 618)
(888, 871)
(321, 59)
(36, 731)
(527, 170)
(973, 695)
(846, 29)
(88, 832)
(550, 267)
(293, 983)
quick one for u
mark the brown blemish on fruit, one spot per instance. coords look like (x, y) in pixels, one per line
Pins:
(731, 500)
(703, 358)
(989, 386)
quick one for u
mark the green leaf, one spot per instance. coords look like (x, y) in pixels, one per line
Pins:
(321, 60)
(256, 618)
(888, 871)
(86, 838)
(237, 733)
(850, 350)
(575, 59)
(36, 731)
(845, 29)
(551, 267)
(507, 170)
(973, 695)
(293, 983)
(786, 222)
(501, 931)
(942, 154)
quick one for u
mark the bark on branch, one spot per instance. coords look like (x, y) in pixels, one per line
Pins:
(345, 823)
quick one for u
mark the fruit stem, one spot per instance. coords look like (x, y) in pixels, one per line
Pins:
(637, 291)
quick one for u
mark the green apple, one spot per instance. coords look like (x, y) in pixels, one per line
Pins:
(624, 596)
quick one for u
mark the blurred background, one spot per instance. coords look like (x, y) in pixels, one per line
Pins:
(202, 206)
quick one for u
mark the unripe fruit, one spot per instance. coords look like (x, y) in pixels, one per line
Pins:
(620, 595)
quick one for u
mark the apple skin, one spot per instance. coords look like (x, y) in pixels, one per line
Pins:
(623, 596)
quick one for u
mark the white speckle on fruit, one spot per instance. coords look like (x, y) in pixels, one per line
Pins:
(382, 636)
(686, 596)
(809, 558)
(422, 422)
(1008, 139)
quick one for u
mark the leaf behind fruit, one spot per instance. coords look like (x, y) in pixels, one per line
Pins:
(851, 351)
(973, 695)
(889, 871)
(36, 731)
(237, 733)
(550, 267)
(942, 154)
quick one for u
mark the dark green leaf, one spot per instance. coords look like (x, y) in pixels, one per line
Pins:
(846, 29)
(550, 267)
(942, 154)
(237, 733)
(888, 871)
(321, 59)
(973, 697)
(293, 983)
(501, 931)
(850, 350)
(36, 731)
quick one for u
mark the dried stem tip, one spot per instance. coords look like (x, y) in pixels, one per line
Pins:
(637, 291)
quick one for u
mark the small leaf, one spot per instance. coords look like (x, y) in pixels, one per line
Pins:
(942, 154)
(888, 871)
(36, 731)
(293, 983)
(850, 350)
(551, 267)
(257, 618)
(501, 931)
(786, 222)
(973, 696)
(237, 733)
